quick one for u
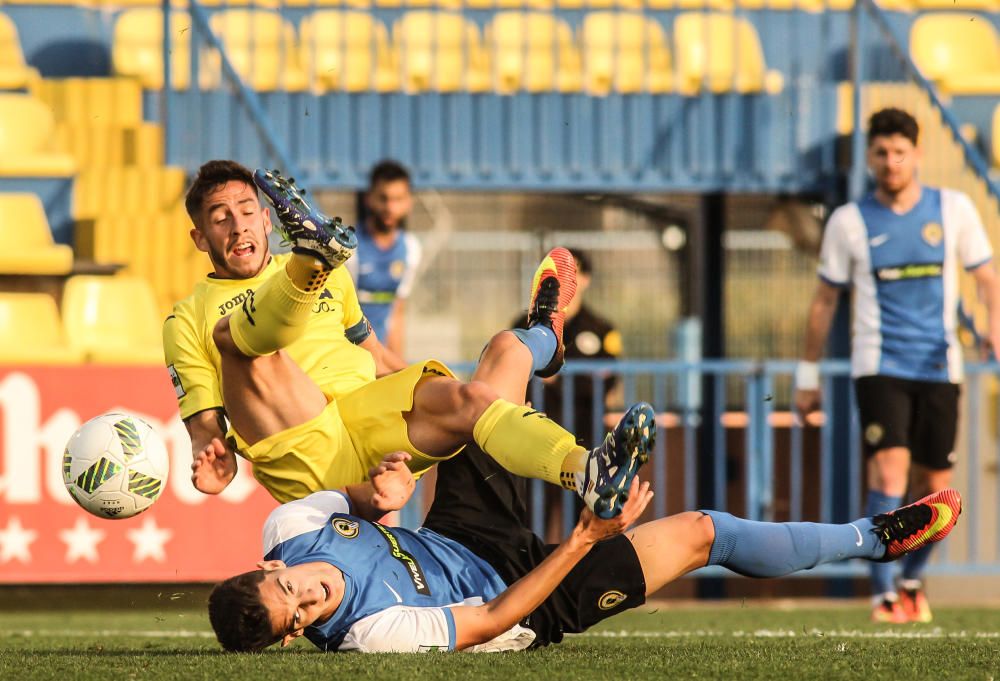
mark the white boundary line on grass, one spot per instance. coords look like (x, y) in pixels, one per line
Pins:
(935, 633)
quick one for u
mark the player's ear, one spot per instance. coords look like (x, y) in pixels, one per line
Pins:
(269, 565)
(267, 219)
(288, 638)
(199, 240)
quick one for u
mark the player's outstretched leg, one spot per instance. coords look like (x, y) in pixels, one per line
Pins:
(603, 483)
(276, 314)
(512, 356)
(758, 549)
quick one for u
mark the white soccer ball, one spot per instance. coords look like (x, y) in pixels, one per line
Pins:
(115, 465)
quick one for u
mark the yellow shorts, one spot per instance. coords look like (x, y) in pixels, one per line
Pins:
(352, 434)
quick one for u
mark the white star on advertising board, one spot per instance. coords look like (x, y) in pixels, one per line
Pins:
(81, 541)
(149, 540)
(15, 542)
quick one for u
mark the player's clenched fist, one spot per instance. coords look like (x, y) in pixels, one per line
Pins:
(214, 466)
(392, 481)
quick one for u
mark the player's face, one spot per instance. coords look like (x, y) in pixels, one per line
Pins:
(232, 228)
(893, 162)
(298, 596)
(389, 203)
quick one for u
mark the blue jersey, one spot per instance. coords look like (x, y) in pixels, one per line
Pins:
(398, 584)
(904, 271)
(382, 276)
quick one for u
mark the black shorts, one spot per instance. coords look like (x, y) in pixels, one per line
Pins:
(481, 506)
(919, 415)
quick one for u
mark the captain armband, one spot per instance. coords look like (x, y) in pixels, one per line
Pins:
(358, 333)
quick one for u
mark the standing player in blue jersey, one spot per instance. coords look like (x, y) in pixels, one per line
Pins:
(385, 263)
(475, 578)
(900, 249)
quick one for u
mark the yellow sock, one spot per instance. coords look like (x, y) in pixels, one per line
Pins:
(277, 313)
(528, 443)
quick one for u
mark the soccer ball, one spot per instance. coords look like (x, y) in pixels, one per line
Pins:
(115, 465)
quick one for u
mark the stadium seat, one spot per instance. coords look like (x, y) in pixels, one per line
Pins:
(532, 51)
(93, 101)
(968, 5)
(14, 73)
(262, 48)
(347, 51)
(137, 47)
(721, 53)
(31, 331)
(624, 52)
(960, 53)
(27, 141)
(28, 247)
(440, 51)
(113, 320)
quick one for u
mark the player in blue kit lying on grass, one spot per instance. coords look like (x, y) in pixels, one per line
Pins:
(474, 577)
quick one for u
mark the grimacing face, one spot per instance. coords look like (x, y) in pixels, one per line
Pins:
(298, 596)
(893, 161)
(232, 228)
(389, 202)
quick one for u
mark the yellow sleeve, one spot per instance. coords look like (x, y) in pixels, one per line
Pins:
(191, 370)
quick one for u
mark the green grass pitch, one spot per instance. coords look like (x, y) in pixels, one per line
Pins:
(733, 642)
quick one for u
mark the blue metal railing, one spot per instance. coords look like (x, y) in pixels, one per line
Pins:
(775, 468)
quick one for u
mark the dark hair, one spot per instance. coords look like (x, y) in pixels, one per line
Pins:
(582, 260)
(892, 121)
(387, 171)
(241, 622)
(211, 175)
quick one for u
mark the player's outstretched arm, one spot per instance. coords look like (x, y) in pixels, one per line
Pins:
(390, 485)
(386, 361)
(475, 625)
(214, 463)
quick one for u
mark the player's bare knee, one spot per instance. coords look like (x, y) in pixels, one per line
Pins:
(473, 399)
(502, 342)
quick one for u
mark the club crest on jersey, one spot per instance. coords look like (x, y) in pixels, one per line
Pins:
(932, 233)
(396, 269)
(874, 433)
(348, 529)
(610, 599)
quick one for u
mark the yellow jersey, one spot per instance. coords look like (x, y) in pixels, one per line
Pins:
(324, 352)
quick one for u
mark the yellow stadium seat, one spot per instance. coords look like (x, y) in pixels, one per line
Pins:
(28, 247)
(262, 48)
(958, 52)
(14, 73)
(967, 5)
(360, 4)
(624, 52)
(31, 331)
(440, 51)
(27, 143)
(533, 51)
(113, 320)
(137, 47)
(347, 51)
(721, 53)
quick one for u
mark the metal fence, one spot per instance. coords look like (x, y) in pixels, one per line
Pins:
(764, 464)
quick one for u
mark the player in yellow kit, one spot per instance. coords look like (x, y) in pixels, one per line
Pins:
(278, 346)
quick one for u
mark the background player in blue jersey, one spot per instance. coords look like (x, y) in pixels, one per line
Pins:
(385, 264)
(900, 249)
(475, 578)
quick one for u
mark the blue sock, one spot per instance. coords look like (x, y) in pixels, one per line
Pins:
(881, 573)
(914, 563)
(757, 549)
(541, 342)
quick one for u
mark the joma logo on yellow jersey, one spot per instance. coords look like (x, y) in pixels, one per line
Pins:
(231, 304)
